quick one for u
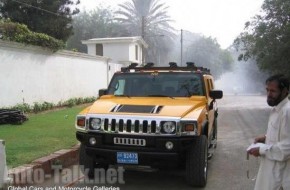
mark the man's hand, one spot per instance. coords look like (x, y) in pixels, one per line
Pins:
(254, 151)
(260, 139)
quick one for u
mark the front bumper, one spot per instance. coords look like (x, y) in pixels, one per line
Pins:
(154, 153)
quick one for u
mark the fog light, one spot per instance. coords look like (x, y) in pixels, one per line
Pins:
(169, 145)
(92, 141)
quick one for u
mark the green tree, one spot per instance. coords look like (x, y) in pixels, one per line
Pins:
(149, 19)
(20, 33)
(206, 52)
(52, 17)
(266, 38)
(98, 23)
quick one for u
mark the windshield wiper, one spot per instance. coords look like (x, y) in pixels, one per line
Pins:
(159, 95)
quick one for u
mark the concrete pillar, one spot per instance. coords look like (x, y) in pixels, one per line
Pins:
(3, 168)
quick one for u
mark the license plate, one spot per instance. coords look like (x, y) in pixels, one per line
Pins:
(127, 158)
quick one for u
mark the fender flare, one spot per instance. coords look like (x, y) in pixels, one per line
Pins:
(204, 128)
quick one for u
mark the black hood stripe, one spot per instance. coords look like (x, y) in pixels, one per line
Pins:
(137, 109)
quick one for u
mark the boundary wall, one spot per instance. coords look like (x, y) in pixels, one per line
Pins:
(31, 74)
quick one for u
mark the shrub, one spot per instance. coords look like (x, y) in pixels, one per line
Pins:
(20, 33)
(39, 107)
(23, 107)
(89, 99)
(47, 106)
(70, 103)
(77, 101)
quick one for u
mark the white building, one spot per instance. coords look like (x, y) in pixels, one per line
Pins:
(122, 50)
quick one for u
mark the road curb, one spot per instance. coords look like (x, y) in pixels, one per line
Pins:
(29, 173)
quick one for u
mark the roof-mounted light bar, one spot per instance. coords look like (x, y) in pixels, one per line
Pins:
(190, 64)
(148, 65)
(133, 65)
(172, 66)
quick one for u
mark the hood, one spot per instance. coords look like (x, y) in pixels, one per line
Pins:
(153, 106)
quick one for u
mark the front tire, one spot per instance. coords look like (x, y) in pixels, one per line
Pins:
(197, 162)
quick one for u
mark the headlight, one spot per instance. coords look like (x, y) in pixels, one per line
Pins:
(95, 123)
(168, 127)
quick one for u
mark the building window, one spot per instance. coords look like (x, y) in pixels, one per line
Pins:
(136, 52)
(99, 49)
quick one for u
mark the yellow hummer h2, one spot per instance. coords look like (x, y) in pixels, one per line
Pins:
(152, 116)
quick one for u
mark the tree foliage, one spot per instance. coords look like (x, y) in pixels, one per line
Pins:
(145, 17)
(20, 33)
(149, 19)
(267, 38)
(206, 52)
(98, 23)
(52, 17)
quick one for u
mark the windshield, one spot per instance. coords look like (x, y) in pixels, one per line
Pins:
(156, 84)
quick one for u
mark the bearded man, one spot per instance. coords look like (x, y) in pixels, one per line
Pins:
(274, 171)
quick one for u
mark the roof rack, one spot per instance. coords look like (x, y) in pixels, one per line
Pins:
(172, 66)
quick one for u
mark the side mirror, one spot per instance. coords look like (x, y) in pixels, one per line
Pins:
(216, 94)
(102, 92)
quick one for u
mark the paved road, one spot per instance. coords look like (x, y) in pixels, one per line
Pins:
(241, 118)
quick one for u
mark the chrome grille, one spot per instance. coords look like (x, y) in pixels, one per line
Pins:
(130, 126)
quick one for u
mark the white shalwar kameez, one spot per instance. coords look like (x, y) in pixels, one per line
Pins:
(274, 171)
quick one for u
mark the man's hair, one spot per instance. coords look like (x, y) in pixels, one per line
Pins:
(281, 79)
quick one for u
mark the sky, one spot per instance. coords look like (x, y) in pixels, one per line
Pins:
(223, 20)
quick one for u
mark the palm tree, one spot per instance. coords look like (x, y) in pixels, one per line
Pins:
(149, 19)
